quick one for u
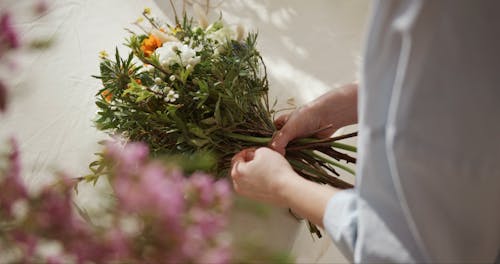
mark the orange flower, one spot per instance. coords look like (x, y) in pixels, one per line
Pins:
(107, 95)
(150, 44)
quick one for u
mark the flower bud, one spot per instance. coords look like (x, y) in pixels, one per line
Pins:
(240, 32)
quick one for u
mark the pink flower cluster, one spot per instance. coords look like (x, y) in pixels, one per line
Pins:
(159, 216)
(9, 41)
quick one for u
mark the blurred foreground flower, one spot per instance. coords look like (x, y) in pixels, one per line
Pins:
(10, 41)
(159, 216)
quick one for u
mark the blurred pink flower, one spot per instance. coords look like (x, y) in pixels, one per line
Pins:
(219, 255)
(12, 186)
(203, 186)
(8, 36)
(224, 192)
(165, 227)
(209, 222)
(3, 96)
(41, 7)
(127, 158)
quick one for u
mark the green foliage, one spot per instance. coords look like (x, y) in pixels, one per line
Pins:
(224, 93)
(185, 90)
(210, 94)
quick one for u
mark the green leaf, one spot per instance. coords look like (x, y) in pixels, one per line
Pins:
(217, 114)
(101, 104)
(196, 130)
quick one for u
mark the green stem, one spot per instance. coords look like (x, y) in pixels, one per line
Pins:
(301, 166)
(266, 140)
(252, 139)
(344, 146)
(329, 161)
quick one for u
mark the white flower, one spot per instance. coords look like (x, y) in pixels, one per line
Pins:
(222, 35)
(158, 80)
(163, 37)
(168, 54)
(147, 68)
(172, 78)
(171, 96)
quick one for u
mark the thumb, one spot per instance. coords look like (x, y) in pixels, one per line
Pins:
(281, 138)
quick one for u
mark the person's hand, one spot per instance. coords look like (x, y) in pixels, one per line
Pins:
(305, 121)
(319, 118)
(262, 174)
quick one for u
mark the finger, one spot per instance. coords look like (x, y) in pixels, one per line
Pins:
(249, 154)
(234, 171)
(245, 155)
(238, 157)
(280, 140)
(325, 134)
(281, 121)
(236, 187)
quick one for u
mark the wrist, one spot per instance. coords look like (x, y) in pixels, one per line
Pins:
(290, 187)
(338, 107)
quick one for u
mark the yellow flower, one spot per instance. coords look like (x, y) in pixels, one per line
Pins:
(147, 11)
(139, 20)
(176, 30)
(150, 44)
(103, 54)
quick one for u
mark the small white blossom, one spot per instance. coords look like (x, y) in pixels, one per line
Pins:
(171, 96)
(163, 37)
(222, 35)
(158, 80)
(175, 52)
(147, 68)
(172, 78)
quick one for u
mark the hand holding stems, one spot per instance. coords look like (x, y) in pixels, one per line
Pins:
(265, 175)
(320, 118)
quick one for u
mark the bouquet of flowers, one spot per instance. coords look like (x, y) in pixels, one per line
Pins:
(167, 218)
(193, 86)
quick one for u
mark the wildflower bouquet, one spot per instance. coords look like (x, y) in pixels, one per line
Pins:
(167, 218)
(191, 87)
